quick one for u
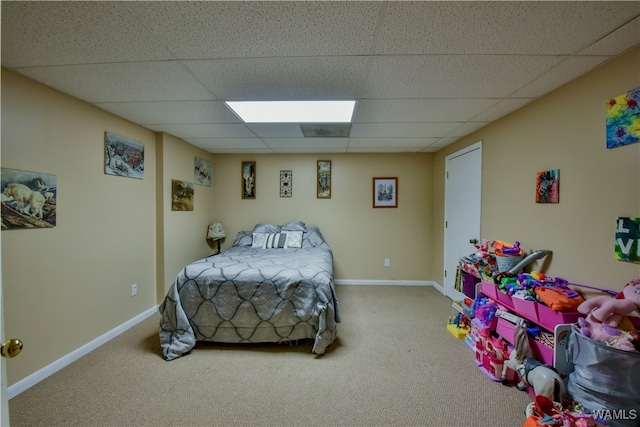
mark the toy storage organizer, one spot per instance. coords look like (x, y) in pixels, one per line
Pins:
(536, 313)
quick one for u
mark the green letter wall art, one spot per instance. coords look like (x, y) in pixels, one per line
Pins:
(628, 239)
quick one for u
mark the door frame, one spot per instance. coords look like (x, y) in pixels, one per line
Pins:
(452, 293)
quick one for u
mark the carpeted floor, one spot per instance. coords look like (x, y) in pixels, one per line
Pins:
(394, 364)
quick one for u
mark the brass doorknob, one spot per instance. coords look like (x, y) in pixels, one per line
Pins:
(473, 241)
(11, 348)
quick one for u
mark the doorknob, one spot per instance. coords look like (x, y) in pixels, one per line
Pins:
(11, 348)
(473, 241)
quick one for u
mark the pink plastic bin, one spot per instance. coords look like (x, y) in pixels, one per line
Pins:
(541, 352)
(548, 318)
(504, 299)
(489, 289)
(506, 329)
(526, 308)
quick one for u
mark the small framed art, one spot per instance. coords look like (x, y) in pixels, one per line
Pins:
(323, 179)
(248, 180)
(548, 186)
(385, 192)
(286, 184)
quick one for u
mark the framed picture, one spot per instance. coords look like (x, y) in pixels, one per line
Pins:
(248, 180)
(323, 179)
(202, 172)
(385, 192)
(29, 199)
(286, 183)
(181, 195)
(123, 156)
(548, 186)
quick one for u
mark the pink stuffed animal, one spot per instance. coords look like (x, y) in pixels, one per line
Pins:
(606, 318)
(609, 311)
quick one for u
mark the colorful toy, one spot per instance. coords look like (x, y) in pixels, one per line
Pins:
(544, 379)
(610, 311)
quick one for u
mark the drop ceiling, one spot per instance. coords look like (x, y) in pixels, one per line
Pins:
(424, 74)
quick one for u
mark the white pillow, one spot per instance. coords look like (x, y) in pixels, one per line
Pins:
(294, 239)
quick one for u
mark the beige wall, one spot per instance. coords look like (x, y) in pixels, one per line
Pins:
(68, 285)
(360, 236)
(564, 130)
(183, 232)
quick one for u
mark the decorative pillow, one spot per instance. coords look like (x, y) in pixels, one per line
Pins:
(294, 226)
(244, 238)
(312, 237)
(294, 239)
(266, 228)
(269, 240)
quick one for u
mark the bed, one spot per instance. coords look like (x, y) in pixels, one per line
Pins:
(275, 284)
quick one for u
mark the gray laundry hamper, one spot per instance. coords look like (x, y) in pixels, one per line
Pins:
(604, 379)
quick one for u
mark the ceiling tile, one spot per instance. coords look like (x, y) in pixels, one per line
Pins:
(260, 29)
(618, 41)
(276, 130)
(390, 142)
(171, 112)
(290, 143)
(308, 78)
(122, 82)
(240, 144)
(517, 28)
(401, 130)
(419, 110)
(80, 32)
(571, 68)
(205, 130)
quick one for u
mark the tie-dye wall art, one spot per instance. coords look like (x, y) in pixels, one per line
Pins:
(623, 119)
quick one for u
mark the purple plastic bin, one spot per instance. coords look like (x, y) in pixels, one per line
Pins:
(469, 284)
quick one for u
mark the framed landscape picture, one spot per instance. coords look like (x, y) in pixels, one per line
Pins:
(182, 195)
(385, 192)
(29, 199)
(202, 172)
(123, 156)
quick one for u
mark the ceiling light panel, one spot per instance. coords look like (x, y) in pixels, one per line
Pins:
(293, 111)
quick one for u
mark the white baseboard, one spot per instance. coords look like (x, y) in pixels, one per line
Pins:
(386, 282)
(54, 367)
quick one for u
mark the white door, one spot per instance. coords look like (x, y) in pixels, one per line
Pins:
(463, 195)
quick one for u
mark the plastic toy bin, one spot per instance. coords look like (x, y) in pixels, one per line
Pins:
(506, 329)
(526, 308)
(541, 352)
(548, 318)
(504, 299)
(489, 289)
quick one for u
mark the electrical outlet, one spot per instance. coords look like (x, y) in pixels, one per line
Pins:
(387, 262)
(134, 290)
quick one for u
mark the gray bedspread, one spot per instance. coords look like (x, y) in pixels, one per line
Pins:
(251, 295)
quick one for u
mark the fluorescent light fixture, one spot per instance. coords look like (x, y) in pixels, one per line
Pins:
(293, 111)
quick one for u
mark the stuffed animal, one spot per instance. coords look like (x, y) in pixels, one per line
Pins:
(609, 311)
(607, 321)
(620, 338)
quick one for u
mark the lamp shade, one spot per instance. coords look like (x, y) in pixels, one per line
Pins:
(216, 231)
